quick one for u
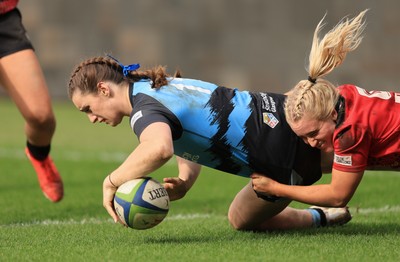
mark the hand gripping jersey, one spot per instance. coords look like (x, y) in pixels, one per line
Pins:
(368, 135)
(238, 132)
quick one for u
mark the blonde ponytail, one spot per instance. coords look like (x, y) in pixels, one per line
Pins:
(316, 96)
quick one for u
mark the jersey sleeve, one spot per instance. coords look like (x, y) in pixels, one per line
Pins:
(352, 149)
(147, 110)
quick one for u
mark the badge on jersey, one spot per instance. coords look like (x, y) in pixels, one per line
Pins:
(270, 119)
(135, 117)
(343, 160)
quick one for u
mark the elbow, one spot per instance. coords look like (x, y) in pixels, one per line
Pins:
(339, 204)
(164, 152)
(340, 201)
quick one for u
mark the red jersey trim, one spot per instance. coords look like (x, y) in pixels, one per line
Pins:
(7, 5)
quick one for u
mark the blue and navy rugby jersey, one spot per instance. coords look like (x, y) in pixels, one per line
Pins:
(238, 132)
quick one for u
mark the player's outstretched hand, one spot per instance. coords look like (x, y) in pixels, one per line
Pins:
(175, 187)
(108, 198)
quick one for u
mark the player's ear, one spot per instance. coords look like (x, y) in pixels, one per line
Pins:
(334, 115)
(103, 88)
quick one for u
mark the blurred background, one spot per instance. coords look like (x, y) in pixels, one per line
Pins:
(259, 45)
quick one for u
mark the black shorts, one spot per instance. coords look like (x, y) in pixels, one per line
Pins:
(13, 36)
(306, 169)
(307, 163)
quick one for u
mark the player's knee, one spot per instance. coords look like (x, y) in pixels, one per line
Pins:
(41, 121)
(236, 220)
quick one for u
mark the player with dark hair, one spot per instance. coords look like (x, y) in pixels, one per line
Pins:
(238, 132)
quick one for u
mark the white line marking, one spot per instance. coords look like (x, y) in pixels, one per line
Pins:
(84, 221)
(76, 156)
(47, 222)
(384, 209)
(191, 216)
(70, 155)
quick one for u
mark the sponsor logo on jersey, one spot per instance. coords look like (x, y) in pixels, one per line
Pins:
(268, 103)
(343, 160)
(135, 117)
(270, 119)
(190, 157)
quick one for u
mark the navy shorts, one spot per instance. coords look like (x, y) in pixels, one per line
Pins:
(13, 36)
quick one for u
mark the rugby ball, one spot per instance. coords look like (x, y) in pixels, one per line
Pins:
(141, 203)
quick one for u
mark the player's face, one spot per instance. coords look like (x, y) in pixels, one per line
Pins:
(316, 133)
(99, 108)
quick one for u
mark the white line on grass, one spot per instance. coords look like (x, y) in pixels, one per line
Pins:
(384, 209)
(75, 156)
(70, 155)
(48, 222)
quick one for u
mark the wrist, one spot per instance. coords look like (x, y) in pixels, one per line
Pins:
(111, 182)
(277, 187)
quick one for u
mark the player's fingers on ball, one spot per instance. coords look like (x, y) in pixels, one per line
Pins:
(168, 186)
(111, 212)
(169, 180)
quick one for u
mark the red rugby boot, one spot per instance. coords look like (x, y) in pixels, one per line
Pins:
(49, 178)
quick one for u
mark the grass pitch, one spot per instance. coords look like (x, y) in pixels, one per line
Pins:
(196, 229)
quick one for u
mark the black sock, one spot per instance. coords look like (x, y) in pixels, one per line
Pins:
(38, 152)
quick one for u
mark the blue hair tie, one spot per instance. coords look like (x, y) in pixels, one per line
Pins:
(126, 69)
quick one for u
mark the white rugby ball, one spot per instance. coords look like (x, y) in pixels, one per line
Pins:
(141, 203)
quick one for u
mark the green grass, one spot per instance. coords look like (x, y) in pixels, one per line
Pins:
(196, 229)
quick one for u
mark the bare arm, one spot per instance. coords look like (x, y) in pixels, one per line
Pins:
(177, 187)
(154, 150)
(336, 194)
(326, 162)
